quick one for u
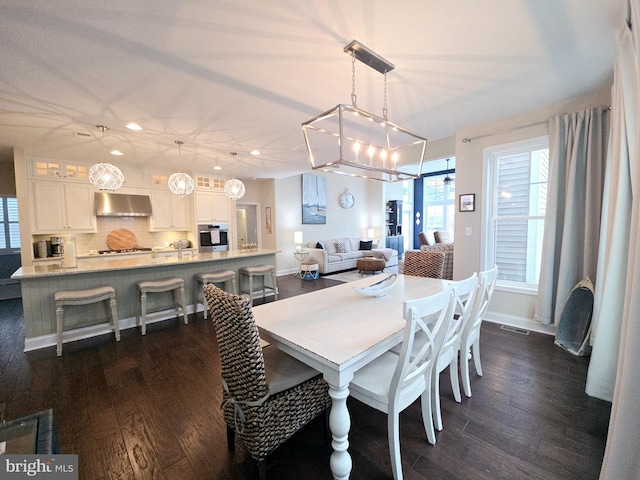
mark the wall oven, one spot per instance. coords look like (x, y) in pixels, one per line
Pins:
(213, 238)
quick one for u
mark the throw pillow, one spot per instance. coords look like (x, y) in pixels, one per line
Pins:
(366, 245)
(320, 246)
(341, 247)
(442, 237)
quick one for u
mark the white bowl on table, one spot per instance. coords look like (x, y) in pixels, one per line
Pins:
(378, 289)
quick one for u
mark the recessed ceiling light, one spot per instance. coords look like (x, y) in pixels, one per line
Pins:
(255, 152)
(217, 167)
(134, 126)
(116, 152)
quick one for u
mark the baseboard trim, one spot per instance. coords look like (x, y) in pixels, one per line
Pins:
(520, 322)
(44, 341)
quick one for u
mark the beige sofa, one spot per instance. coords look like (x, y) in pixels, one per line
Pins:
(330, 260)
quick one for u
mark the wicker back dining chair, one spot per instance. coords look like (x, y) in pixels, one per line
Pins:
(424, 264)
(267, 397)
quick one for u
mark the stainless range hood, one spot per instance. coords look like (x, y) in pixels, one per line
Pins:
(122, 205)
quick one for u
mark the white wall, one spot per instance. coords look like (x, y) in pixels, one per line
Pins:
(366, 213)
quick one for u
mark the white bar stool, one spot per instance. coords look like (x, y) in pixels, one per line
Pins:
(174, 284)
(84, 297)
(261, 271)
(220, 276)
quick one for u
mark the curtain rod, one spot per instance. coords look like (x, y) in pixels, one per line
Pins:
(468, 139)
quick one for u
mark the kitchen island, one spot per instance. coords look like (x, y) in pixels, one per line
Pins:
(39, 284)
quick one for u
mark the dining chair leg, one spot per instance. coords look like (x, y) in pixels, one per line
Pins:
(425, 403)
(435, 400)
(455, 383)
(262, 469)
(464, 373)
(393, 432)
(476, 356)
(231, 438)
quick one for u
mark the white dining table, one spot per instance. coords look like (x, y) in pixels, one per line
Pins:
(337, 331)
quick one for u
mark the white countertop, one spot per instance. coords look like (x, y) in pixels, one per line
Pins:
(83, 256)
(100, 263)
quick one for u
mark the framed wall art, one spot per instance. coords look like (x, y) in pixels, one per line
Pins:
(314, 200)
(468, 202)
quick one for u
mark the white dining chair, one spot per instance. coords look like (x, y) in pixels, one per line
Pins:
(465, 293)
(391, 383)
(470, 339)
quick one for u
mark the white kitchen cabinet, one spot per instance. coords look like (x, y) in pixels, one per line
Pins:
(169, 211)
(211, 207)
(62, 207)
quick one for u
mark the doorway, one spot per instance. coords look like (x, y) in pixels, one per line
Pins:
(247, 222)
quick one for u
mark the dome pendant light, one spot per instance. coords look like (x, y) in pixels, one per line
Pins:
(180, 183)
(234, 188)
(103, 175)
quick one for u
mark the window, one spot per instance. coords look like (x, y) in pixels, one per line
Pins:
(518, 175)
(439, 196)
(9, 230)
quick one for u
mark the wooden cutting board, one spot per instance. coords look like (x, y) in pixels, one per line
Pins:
(121, 239)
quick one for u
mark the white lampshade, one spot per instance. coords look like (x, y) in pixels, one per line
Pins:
(234, 189)
(370, 233)
(297, 237)
(106, 176)
(181, 183)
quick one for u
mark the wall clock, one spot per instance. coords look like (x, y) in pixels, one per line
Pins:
(347, 200)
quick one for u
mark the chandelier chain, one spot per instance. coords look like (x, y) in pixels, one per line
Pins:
(354, 97)
(385, 111)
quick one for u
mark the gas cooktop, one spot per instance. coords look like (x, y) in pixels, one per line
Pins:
(125, 250)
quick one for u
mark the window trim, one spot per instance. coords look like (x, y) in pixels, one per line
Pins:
(4, 212)
(489, 154)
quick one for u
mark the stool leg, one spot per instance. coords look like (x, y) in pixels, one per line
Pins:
(143, 313)
(114, 317)
(275, 286)
(251, 288)
(184, 306)
(264, 289)
(59, 314)
(196, 297)
(233, 284)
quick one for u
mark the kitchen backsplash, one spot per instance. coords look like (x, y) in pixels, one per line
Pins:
(138, 225)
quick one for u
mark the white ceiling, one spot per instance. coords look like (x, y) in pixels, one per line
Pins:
(239, 75)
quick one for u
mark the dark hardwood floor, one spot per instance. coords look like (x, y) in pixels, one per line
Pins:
(148, 407)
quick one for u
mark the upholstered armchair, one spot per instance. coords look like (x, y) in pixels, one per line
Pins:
(268, 396)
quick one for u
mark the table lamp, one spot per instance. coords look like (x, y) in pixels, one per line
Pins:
(297, 238)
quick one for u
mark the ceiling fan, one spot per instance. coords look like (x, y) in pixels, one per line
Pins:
(448, 180)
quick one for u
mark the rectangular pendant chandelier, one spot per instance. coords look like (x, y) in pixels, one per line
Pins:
(350, 141)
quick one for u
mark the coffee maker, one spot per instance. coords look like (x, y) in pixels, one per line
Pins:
(56, 246)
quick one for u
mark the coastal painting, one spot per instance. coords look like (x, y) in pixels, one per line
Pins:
(314, 200)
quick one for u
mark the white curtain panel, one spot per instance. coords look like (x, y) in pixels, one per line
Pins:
(614, 337)
(577, 153)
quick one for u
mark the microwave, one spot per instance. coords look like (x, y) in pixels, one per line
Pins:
(213, 238)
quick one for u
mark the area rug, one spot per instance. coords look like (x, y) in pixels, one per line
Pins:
(353, 275)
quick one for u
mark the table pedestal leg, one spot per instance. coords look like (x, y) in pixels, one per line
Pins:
(339, 423)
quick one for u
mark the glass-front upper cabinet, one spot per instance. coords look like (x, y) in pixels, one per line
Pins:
(52, 169)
